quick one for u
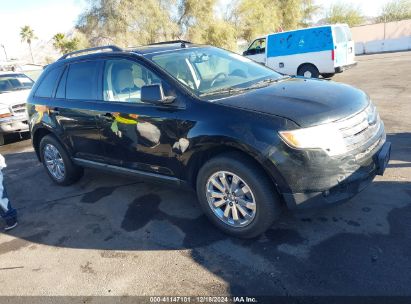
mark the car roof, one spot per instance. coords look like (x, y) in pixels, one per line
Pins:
(139, 50)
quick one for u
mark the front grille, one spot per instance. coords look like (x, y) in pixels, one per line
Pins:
(19, 108)
(360, 129)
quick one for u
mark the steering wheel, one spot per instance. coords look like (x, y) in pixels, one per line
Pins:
(216, 78)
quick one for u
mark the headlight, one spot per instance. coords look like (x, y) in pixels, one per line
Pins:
(326, 137)
(4, 112)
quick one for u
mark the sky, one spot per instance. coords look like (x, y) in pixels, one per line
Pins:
(48, 17)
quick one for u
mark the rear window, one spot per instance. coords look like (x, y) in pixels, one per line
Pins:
(348, 33)
(340, 35)
(82, 80)
(47, 84)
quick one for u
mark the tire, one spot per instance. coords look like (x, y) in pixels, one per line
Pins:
(71, 172)
(267, 207)
(308, 71)
(328, 75)
(2, 139)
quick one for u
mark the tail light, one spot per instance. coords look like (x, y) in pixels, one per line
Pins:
(332, 55)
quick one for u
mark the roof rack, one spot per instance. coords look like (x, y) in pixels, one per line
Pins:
(182, 42)
(113, 48)
(171, 42)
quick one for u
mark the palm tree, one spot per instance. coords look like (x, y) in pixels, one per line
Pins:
(59, 40)
(27, 35)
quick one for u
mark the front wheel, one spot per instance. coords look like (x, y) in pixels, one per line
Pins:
(58, 163)
(237, 196)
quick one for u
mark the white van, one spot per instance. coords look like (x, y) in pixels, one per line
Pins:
(310, 52)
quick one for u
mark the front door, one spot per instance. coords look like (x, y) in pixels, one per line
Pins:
(135, 135)
(256, 51)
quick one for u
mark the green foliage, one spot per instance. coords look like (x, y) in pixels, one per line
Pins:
(256, 18)
(27, 34)
(136, 22)
(395, 10)
(221, 34)
(66, 45)
(308, 10)
(344, 13)
(127, 22)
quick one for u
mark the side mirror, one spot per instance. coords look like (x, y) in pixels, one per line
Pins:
(153, 93)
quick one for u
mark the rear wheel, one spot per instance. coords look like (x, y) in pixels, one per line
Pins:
(237, 196)
(1, 139)
(308, 71)
(57, 162)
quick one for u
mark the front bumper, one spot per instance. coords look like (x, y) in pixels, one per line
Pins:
(14, 124)
(345, 189)
(340, 69)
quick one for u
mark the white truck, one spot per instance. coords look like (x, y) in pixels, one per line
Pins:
(309, 52)
(14, 90)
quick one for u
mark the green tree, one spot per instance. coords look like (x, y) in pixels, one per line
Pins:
(64, 44)
(127, 22)
(256, 18)
(344, 13)
(290, 13)
(27, 35)
(395, 10)
(309, 10)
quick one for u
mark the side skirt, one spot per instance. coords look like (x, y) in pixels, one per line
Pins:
(145, 176)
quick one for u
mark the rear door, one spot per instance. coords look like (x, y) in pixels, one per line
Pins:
(340, 46)
(350, 45)
(75, 108)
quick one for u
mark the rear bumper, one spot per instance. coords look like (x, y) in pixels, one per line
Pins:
(14, 124)
(340, 69)
(346, 189)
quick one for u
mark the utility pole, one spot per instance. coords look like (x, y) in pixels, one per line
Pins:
(4, 49)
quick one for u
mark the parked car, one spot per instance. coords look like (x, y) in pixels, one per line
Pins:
(248, 139)
(14, 90)
(309, 52)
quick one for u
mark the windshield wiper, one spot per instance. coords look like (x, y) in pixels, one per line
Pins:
(265, 82)
(259, 84)
(222, 91)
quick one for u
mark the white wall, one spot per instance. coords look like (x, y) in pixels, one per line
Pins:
(377, 38)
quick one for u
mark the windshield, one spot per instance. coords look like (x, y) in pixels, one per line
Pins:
(14, 82)
(207, 70)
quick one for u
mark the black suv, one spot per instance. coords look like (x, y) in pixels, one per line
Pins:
(245, 137)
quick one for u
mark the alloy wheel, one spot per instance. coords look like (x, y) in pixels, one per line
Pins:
(231, 199)
(54, 162)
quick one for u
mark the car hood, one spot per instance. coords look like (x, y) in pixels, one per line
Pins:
(306, 102)
(15, 97)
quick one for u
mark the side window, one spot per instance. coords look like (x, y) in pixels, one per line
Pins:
(82, 80)
(258, 47)
(46, 87)
(61, 89)
(123, 80)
